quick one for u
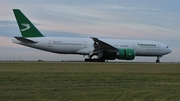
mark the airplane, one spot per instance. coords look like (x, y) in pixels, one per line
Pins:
(103, 49)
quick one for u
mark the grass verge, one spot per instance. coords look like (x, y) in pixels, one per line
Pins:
(89, 82)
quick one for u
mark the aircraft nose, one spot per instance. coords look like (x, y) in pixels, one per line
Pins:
(169, 51)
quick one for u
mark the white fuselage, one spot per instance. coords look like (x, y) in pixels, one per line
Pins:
(84, 46)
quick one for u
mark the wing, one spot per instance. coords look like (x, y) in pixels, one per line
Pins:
(100, 46)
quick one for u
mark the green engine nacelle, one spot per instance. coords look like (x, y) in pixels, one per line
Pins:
(126, 54)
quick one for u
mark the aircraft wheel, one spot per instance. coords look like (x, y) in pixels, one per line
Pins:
(101, 60)
(87, 60)
(94, 60)
(157, 61)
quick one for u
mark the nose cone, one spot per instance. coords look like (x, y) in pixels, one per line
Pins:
(168, 50)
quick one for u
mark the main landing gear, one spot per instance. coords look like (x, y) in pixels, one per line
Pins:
(158, 59)
(94, 60)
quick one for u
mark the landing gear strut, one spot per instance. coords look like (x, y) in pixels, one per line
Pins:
(158, 59)
(99, 59)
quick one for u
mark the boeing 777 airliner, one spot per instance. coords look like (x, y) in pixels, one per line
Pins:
(104, 49)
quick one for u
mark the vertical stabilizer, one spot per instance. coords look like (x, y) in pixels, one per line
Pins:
(27, 29)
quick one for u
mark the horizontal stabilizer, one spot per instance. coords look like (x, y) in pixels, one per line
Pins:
(25, 40)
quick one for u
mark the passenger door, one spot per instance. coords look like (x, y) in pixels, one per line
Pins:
(49, 43)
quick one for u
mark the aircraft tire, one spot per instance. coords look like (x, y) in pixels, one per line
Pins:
(94, 60)
(157, 61)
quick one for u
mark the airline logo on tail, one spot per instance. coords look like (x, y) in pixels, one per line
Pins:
(27, 26)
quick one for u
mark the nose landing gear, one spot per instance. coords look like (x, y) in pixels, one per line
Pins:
(158, 59)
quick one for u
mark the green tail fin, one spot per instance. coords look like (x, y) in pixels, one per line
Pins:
(27, 29)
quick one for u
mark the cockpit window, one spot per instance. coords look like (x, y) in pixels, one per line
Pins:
(167, 47)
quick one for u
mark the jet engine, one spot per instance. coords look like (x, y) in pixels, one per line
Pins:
(126, 54)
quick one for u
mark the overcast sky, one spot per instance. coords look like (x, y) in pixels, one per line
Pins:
(157, 20)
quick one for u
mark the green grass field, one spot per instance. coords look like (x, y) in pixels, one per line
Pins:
(89, 82)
